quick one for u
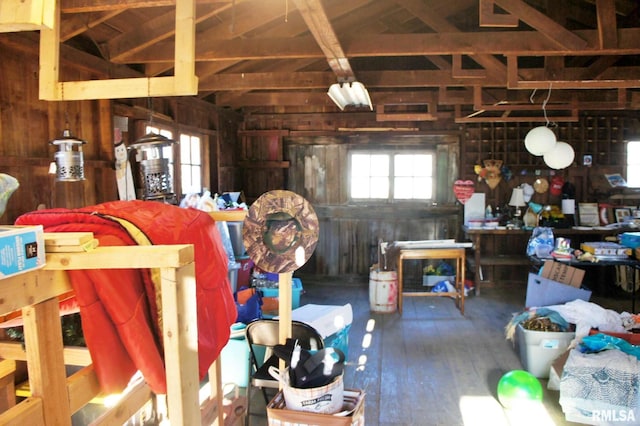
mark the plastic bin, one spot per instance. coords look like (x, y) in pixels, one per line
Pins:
(538, 349)
(296, 290)
(235, 358)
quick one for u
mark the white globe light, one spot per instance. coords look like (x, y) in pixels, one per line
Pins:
(540, 140)
(560, 157)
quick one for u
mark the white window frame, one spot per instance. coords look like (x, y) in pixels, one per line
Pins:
(633, 164)
(191, 161)
(392, 175)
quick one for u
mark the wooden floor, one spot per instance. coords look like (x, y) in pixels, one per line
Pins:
(431, 365)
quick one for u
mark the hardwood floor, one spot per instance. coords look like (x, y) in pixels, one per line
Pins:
(431, 365)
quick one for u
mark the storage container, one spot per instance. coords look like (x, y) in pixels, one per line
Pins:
(235, 358)
(270, 297)
(538, 349)
(22, 249)
(383, 291)
(279, 415)
(431, 280)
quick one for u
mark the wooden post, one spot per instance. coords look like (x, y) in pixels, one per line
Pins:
(284, 309)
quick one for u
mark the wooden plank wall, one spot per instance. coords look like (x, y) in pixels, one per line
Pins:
(27, 125)
(350, 232)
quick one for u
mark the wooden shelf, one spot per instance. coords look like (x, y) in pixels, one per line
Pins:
(54, 397)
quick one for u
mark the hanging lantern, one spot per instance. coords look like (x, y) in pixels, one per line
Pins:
(560, 157)
(69, 158)
(539, 140)
(156, 179)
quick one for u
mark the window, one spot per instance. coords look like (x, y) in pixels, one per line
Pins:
(190, 164)
(190, 159)
(392, 175)
(633, 164)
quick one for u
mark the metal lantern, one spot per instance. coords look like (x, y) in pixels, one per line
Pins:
(156, 179)
(69, 158)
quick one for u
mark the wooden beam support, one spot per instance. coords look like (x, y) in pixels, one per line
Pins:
(607, 25)
(184, 82)
(514, 82)
(26, 15)
(489, 18)
(458, 72)
(547, 26)
(318, 22)
(403, 116)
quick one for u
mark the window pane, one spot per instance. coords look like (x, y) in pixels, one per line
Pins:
(379, 165)
(633, 164)
(360, 187)
(360, 165)
(379, 187)
(195, 150)
(185, 155)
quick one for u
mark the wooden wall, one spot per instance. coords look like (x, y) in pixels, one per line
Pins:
(350, 232)
(27, 125)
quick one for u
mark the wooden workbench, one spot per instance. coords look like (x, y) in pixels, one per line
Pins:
(418, 250)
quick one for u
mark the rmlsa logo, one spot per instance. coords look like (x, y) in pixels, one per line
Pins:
(613, 416)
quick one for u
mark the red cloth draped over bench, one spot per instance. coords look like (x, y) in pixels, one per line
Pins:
(120, 315)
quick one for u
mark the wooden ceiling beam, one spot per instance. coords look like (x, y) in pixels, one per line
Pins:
(79, 23)
(520, 43)
(545, 25)
(318, 22)
(489, 18)
(84, 6)
(150, 32)
(439, 23)
(607, 25)
(612, 78)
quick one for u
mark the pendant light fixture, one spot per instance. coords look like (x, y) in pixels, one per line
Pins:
(540, 139)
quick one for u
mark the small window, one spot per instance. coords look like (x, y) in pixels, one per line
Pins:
(633, 164)
(190, 164)
(391, 176)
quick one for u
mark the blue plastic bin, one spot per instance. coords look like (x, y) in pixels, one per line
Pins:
(296, 290)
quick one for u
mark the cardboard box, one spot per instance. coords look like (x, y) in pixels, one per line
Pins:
(278, 415)
(539, 349)
(543, 291)
(21, 249)
(562, 273)
(605, 248)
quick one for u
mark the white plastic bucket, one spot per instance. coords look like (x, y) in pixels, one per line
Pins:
(383, 291)
(326, 399)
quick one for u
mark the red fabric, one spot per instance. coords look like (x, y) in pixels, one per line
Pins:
(118, 307)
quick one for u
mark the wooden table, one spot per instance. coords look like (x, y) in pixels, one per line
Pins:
(433, 250)
(519, 258)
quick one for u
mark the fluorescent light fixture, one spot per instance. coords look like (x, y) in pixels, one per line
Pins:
(354, 93)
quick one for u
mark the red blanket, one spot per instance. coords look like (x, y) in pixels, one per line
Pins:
(120, 317)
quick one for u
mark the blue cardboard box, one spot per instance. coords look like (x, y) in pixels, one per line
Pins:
(21, 249)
